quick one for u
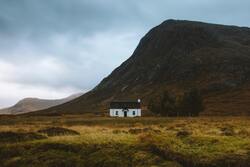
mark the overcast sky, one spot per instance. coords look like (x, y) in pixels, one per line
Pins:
(53, 48)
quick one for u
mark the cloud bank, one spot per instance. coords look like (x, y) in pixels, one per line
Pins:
(53, 48)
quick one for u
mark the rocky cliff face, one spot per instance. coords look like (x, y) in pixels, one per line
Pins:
(175, 56)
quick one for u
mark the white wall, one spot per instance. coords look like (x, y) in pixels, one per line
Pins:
(112, 113)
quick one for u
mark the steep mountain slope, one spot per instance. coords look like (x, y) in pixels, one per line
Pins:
(175, 56)
(33, 104)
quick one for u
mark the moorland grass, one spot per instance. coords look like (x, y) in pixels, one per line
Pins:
(196, 142)
(9, 137)
(58, 131)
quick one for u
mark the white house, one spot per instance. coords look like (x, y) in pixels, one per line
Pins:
(125, 109)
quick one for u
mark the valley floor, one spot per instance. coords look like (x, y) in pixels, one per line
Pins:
(109, 142)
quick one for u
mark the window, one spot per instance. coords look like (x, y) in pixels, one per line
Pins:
(116, 113)
(133, 112)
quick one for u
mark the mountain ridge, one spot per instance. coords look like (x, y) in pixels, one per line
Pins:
(175, 56)
(32, 104)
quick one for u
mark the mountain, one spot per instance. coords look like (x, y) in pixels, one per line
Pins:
(176, 56)
(33, 104)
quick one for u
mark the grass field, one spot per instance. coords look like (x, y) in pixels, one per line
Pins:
(106, 142)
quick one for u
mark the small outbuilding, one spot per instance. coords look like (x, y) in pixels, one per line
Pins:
(125, 108)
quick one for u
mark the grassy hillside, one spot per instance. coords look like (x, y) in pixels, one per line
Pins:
(93, 142)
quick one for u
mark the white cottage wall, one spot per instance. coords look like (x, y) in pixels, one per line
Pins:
(116, 113)
(120, 113)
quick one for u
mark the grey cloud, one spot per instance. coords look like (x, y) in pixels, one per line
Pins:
(49, 16)
(44, 17)
(75, 43)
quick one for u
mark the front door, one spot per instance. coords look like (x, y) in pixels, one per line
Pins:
(125, 113)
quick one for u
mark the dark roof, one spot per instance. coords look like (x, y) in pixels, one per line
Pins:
(125, 104)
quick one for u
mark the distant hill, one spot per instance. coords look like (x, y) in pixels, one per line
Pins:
(176, 56)
(33, 104)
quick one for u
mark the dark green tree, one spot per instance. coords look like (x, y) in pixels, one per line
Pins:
(168, 104)
(191, 103)
(153, 106)
(163, 104)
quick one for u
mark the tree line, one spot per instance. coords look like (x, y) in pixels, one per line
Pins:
(167, 104)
